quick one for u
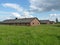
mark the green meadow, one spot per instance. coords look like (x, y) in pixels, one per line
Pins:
(30, 35)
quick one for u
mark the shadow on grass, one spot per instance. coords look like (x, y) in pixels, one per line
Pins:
(58, 37)
(57, 25)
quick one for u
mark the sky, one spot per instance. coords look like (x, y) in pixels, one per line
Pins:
(42, 9)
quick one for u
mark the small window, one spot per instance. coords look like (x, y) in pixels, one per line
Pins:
(33, 23)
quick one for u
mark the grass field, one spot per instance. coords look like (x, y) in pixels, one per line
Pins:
(30, 35)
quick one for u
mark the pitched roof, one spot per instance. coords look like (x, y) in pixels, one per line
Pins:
(23, 20)
(44, 21)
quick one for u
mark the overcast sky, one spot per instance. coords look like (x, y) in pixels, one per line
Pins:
(42, 9)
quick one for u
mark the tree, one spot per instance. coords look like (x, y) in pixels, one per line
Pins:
(56, 20)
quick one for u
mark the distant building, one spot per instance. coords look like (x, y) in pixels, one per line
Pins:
(47, 22)
(44, 21)
(22, 22)
(52, 22)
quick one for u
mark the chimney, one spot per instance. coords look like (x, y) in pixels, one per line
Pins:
(16, 18)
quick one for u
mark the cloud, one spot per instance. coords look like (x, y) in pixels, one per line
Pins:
(5, 17)
(44, 5)
(4, 12)
(14, 6)
(16, 15)
(27, 14)
(54, 16)
(8, 17)
(21, 13)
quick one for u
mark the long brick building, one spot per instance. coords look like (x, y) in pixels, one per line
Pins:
(22, 22)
